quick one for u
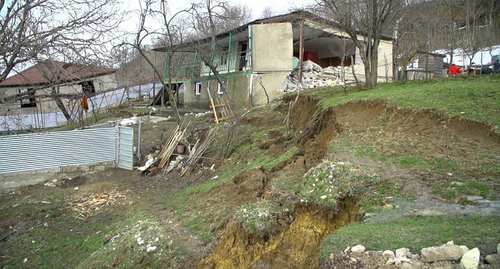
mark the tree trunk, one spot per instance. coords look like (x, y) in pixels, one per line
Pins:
(60, 104)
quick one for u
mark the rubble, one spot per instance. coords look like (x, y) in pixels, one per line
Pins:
(313, 76)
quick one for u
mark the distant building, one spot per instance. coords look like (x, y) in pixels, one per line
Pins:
(40, 79)
(25, 98)
(425, 66)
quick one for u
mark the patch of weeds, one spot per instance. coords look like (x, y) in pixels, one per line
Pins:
(328, 182)
(261, 217)
(415, 233)
(144, 243)
(410, 162)
(477, 188)
(442, 163)
(197, 225)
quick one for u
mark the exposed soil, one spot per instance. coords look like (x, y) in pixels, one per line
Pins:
(394, 131)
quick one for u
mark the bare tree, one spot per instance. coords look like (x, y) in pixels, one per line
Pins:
(170, 35)
(268, 12)
(73, 29)
(209, 18)
(367, 17)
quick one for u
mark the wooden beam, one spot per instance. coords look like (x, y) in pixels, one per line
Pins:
(301, 49)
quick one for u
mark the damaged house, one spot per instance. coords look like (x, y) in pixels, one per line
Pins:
(29, 95)
(264, 59)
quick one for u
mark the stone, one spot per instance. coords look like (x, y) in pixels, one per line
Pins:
(407, 266)
(441, 253)
(464, 248)
(470, 259)
(474, 198)
(50, 184)
(458, 183)
(388, 207)
(388, 254)
(493, 259)
(402, 253)
(498, 248)
(358, 249)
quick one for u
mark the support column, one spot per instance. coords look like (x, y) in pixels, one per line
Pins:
(301, 49)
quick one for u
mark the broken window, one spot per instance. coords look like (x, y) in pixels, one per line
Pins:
(87, 87)
(28, 100)
(197, 89)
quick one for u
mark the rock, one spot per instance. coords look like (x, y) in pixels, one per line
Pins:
(450, 243)
(470, 259)
(347, 249)
(474, 198)
(402, 253)
(358, 249)
(50, 184)
(407, 266)
(458, 183)
(483, 201)
(493, 259)
(441, 253)
(464, 248)
(388, 207)
(388, 254)
(498, 248)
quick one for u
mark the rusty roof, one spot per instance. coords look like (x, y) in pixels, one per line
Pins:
(54, 72)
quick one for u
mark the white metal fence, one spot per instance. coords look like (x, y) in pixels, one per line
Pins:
(26, 152)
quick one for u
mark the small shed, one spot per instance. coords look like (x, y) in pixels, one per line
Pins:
(425, 65)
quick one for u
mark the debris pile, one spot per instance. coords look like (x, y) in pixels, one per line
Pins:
(313, 76)
(86, 204)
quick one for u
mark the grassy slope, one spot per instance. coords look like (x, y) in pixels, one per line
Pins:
(416, 233)
(476, 99)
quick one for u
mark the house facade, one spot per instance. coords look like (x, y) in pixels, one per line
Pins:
(256, 60)
(30, 90)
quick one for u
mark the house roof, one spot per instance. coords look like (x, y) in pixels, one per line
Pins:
(50, 72)
(289, 17)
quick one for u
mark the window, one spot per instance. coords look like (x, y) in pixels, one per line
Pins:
(197, 89)
(219, 88)
(29, 99)
(87, 87)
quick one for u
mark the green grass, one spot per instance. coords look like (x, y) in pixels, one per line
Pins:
(470, 98)
(415, 233)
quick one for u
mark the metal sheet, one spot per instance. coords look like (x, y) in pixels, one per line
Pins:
(125, 148)
(26, 152)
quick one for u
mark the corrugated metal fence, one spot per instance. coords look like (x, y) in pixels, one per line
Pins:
(26, 152)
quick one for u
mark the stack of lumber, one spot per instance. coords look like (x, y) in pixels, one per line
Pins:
(198, 150)
(170, 146)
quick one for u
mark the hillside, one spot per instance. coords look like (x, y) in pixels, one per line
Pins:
(391, 167)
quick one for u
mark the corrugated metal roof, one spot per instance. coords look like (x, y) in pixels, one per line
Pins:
(52, 72)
